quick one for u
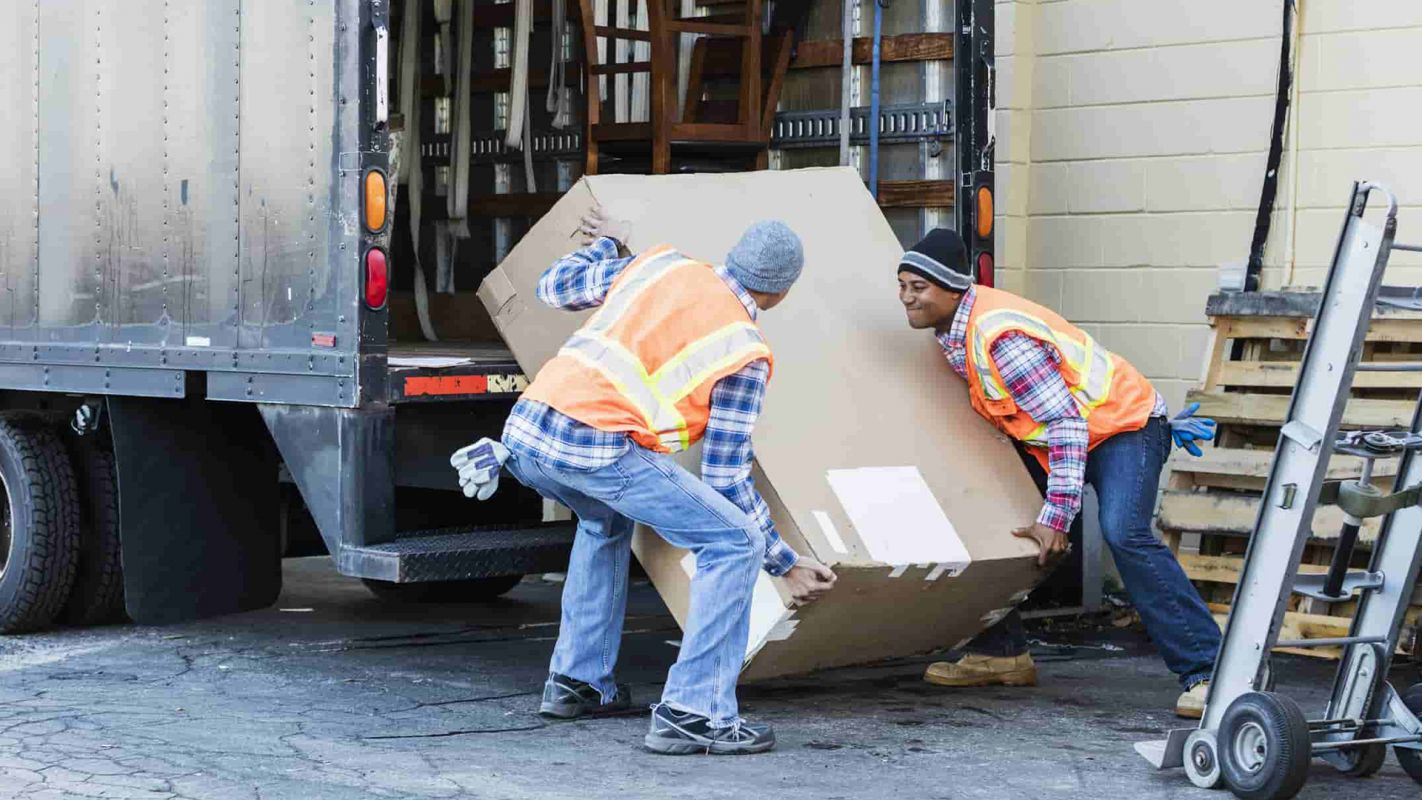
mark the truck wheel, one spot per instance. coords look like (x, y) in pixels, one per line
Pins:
(97, 596)
(1264, 747)
(470, 591)
(39, 531)
(1411, 760)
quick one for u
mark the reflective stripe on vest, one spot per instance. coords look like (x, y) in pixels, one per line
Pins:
(1093, 366)
(655, 395)
(637, 278)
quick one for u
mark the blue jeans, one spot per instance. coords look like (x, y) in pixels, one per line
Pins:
(729, 547)
(1125, 471)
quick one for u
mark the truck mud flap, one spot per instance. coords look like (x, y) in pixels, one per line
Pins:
(198, 508)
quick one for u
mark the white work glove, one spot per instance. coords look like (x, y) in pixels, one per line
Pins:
(597, 224)
(479, 465)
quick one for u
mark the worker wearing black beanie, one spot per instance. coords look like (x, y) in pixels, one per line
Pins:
(1079, 414)
(942, 258)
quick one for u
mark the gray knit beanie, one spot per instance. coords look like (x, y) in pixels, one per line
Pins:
(768, 258)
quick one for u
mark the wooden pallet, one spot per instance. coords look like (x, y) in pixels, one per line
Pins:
(1209, 504)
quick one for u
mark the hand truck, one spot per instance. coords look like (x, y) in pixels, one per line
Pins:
(1254, 741)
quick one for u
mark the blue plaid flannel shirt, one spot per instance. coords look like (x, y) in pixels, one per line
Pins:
(580, 281)
(1030, 371)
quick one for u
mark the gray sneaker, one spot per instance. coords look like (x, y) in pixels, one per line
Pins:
(570, 698)
(678, 733)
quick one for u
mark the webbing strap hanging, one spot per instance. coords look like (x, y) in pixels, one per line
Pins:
(518, 72)
(409, 74)
(444, 258)
(520, 132)
(641, 86)
(411, 169)
(559, 102)
(444, 16)
(458, 200)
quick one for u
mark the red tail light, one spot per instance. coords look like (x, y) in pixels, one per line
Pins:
(985, 276)
(377, 278)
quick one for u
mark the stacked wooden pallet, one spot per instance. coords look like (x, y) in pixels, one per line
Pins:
(1209, 504)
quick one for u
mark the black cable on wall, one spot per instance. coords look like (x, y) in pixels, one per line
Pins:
(1270, 190)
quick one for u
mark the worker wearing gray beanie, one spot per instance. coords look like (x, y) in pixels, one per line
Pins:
(674, 356)
(768, 258)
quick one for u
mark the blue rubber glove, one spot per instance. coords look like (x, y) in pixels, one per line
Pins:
(479, 465)
(1187, 429)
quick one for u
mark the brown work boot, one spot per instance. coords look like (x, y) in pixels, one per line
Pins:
(1191, 704)
(975, 670)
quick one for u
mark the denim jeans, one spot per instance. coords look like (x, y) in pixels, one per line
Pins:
(1125, 471)
(650, 488)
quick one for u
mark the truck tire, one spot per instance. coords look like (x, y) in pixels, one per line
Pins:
(468, 591)
(39, 525)
(97, 596)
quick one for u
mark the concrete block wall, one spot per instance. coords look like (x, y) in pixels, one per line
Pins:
(1359, 115)
(1132, 141)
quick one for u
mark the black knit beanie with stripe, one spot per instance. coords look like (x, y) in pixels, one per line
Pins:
(942, 258)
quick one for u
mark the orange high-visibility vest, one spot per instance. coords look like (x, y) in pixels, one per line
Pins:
(1111, 395)
(646, 362)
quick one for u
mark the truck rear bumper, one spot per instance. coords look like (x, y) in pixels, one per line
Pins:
(450, 554)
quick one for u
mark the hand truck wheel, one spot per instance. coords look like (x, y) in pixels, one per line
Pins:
(1202, 762)
(1264, 747)
(1410, 759)
(1364, 761)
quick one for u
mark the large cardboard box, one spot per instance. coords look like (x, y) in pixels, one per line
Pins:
(867, 451)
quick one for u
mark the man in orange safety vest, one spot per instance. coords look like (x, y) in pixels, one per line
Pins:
(1080, 415)
(673, 356)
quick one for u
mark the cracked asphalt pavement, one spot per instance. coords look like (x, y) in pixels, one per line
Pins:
(334, 694)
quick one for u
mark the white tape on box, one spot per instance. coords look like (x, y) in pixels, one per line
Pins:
(897, 517)
(782, 630)
(770, 620)
(830, 531)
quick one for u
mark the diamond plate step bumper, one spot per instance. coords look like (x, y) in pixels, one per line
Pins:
(451, 554)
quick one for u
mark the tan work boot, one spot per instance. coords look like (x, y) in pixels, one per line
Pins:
(1191, 704)
(975, 670)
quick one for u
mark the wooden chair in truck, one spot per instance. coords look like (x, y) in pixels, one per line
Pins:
(733, 84)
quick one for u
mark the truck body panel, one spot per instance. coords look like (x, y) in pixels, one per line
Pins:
(183, 199)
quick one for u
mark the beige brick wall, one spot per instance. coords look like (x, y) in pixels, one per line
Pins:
(1132, 137)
